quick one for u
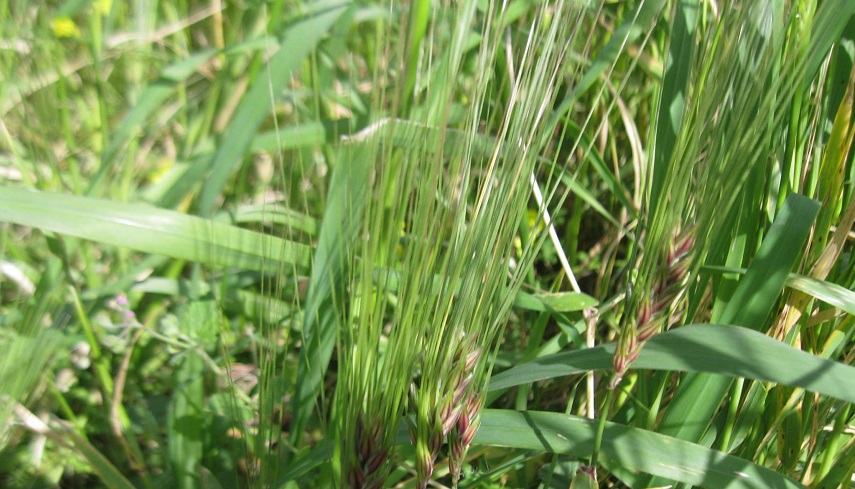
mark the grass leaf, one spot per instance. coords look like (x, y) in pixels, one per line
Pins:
(299, 40)
(339, 223)
(732, 351)
(830, 293)
(831, 19)
(672, 97)
(149, 229)
(625, 447)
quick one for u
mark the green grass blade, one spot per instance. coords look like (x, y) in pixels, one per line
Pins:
(275, 214)
(732, 351)
(340, 222)
(831, 19)
(150, 99)
(673, 93)
(700, 394)
(827, 292)
(640, 21)
(580, 191)
(760, 287)
(149, 229)
(306, 461)
(299, 40)
(417, 26)
(614, 183)
(625, 447)
(296, 136)
(830, 293)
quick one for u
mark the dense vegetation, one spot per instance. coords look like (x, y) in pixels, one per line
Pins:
(440, 243)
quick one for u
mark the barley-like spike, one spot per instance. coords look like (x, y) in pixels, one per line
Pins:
(462, 387)
(354, 478)
(368, 470)
(449, 418)
(472, 359)
(462, 435)
(627, 352)
(374, 463)
(658, 309)
(426, 453)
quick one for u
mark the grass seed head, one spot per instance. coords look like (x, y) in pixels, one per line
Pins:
(660, 309)
(369, 465)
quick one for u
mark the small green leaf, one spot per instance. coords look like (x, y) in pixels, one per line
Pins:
(555, 302)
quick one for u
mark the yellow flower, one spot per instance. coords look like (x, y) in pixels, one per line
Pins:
(161, 169)
(63, 27)
(103, 6)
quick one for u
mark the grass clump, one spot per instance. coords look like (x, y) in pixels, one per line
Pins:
(441, 218)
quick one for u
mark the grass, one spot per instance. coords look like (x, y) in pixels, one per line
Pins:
(427, 244)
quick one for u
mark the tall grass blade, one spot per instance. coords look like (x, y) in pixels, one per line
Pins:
(299, 40)
(717, 349)
(831, 19)
(340, 222)
(149, 229)
(672, 97)
(827, 292)
(625, 447)
(148, 101)
(700, 395)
